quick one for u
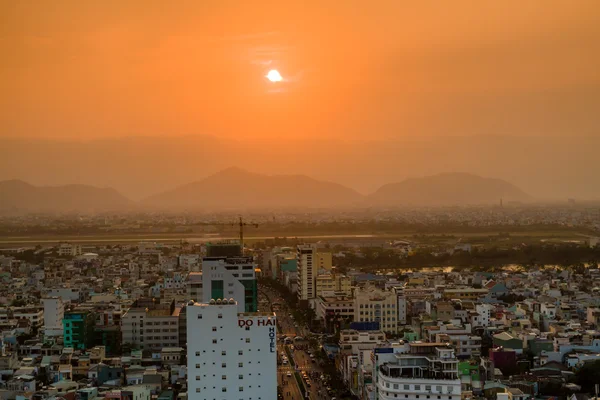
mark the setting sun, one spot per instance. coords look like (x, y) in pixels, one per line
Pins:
(274, 76)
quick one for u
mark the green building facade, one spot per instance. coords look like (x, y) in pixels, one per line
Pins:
(78, 329)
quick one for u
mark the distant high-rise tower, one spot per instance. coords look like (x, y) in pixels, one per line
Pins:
(306, 254)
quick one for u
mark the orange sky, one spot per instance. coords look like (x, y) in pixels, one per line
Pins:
(353, 68)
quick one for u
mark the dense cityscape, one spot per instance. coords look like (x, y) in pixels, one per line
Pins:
(345, 317)
(299, 200)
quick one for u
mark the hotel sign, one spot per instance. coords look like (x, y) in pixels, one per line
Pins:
(243, 323)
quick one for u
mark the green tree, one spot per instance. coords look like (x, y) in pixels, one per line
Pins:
(588, 375)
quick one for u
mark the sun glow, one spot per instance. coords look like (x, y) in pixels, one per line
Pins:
(274, 76)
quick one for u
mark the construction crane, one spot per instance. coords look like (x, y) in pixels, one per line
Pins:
(239, 223)
(242, 224)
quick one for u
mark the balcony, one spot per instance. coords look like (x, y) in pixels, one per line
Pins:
(417, 372)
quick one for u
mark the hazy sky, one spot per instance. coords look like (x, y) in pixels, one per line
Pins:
(352, 68)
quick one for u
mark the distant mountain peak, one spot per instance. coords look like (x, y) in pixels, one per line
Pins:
(232, 170)
(236, 188)
(454, 188)
(21, 197)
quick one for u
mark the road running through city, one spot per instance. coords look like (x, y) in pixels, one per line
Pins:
(300, 353)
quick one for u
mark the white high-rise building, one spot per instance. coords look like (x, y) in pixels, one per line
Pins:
(54, 313)
(226, 277)
(416, 370)
(307, 271)
(230, 355)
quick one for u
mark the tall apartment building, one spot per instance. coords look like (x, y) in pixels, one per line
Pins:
(151, 325)
(54, 312)
(402, 305)
(416, 370)
(307, 271)
(78, 328)
(376, 305)
(230, 277)
(230, 355)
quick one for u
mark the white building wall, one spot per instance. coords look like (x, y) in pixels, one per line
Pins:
(230, 355)
(232, 287)
(388, 388)
(372, 304)
(414, 388)
(54, 312)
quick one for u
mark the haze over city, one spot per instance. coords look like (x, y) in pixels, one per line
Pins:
(110, 94)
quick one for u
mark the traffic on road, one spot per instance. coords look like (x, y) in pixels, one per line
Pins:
(298, 368)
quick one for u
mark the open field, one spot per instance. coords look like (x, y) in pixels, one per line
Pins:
(505, 236)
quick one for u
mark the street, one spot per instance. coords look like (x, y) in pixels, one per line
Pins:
(301, 358)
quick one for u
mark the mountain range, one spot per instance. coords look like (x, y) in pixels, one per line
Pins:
(550, 168)
(20, 197)
(236, 189)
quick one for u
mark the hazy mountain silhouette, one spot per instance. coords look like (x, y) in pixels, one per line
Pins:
(447, 189)
(549, 168)
(20, 197)
(235, 188)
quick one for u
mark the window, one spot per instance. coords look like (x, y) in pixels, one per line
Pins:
(247, 340)
(214, 341)
(220, 316)
(223, 377)
(240, 376)
(396, 386)
(438, 389)
(240, 352)
(428, 387)
(417, 387)
(224, 389)
(197, 390)
(197, 377)
(197, 365)
(223, 353)
(241, 388)
(406, 387)
(214, 328)
(223, 365)
(247, 328)
(240, 365)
